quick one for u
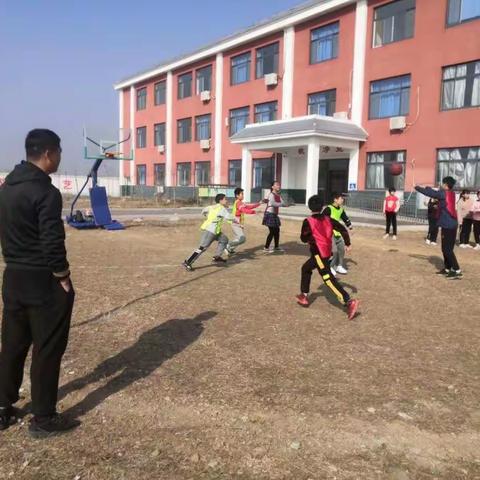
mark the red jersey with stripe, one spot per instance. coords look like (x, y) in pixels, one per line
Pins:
(450, 203)
(322, 231)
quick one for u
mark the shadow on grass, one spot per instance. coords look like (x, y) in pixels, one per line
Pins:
(138, 361)
(331, 298)
(250, 254)
(437, 262)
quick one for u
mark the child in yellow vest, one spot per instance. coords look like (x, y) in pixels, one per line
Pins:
(336, 212)
(212, 231)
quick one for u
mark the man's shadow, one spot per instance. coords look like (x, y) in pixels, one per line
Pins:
(138, 361)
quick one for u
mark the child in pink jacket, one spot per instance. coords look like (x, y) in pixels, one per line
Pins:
(476, 220)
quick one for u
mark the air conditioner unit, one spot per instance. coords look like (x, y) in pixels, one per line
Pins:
(205, 96)
(271, 79)
(205, 144)
(161, 148)
(398, 123)
(341, 115)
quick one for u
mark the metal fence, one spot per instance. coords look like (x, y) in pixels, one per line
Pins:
(410, 206)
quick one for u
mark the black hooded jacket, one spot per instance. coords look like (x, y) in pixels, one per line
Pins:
(32, 234)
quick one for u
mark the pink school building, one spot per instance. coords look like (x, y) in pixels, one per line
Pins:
(323, 98)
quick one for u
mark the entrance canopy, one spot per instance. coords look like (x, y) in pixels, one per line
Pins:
(310, 134)
(312, 126)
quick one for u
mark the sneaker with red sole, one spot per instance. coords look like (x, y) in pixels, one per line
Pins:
(352, 308)
(302, 300)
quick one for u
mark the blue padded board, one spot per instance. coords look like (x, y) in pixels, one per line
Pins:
(101, 211)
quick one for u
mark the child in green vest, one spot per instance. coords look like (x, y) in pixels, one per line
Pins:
(212, 231)
(336, 212)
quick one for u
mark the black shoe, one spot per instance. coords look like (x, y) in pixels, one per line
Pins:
(454, 275)
(187, 266)
(443, 272)
(56, 424)
(8, 417)
(218, 259)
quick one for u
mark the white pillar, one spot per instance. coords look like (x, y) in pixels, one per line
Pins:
(218, 118)
(121, 179)
(313, 159)
(169, 131)
(133, 133)
(288, 67)
(353, 169)
(287, 172)
(247, 172)
(360, 43)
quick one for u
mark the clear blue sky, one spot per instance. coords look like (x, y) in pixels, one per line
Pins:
(60, 58)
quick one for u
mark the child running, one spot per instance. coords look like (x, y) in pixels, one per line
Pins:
(239, 210)
(317, 230)
(212, 231)
(336, 212)
(391, 206)
(272, 220)
(448, 223)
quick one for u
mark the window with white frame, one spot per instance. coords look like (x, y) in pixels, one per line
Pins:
(203, 127)
(235, 173)
(322, 103)
(160, 91)
(204, 79)
(267, 60)
(393, 22)
(184, 174)
(159, 134)
(141, 174)
(462, 163)
(378, 170)
(142, 98)
(202, 173)
(460, 11)
(141, 137)
(185, 85)
(324, 43)
(240, 69)
(390, 97)
(238, 119)
(266, 112)
(461, 86)
(184, 130)
(159, 174)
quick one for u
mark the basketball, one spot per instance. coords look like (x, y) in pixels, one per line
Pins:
(396, 169)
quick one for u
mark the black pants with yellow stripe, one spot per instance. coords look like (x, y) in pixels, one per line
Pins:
(323, 267)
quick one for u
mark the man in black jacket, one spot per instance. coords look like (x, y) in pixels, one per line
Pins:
(37, 293)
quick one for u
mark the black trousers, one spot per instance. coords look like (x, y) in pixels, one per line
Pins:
(273, 234)
(323, 267)
(37, 310)
(432, 229)
(449, 236)
(476, 231)
(391, 218)
(466, 230)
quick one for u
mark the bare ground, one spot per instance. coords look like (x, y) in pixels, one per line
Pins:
(218, 374)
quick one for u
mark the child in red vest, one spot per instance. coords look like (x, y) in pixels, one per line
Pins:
(391, 206)
(317, 230)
